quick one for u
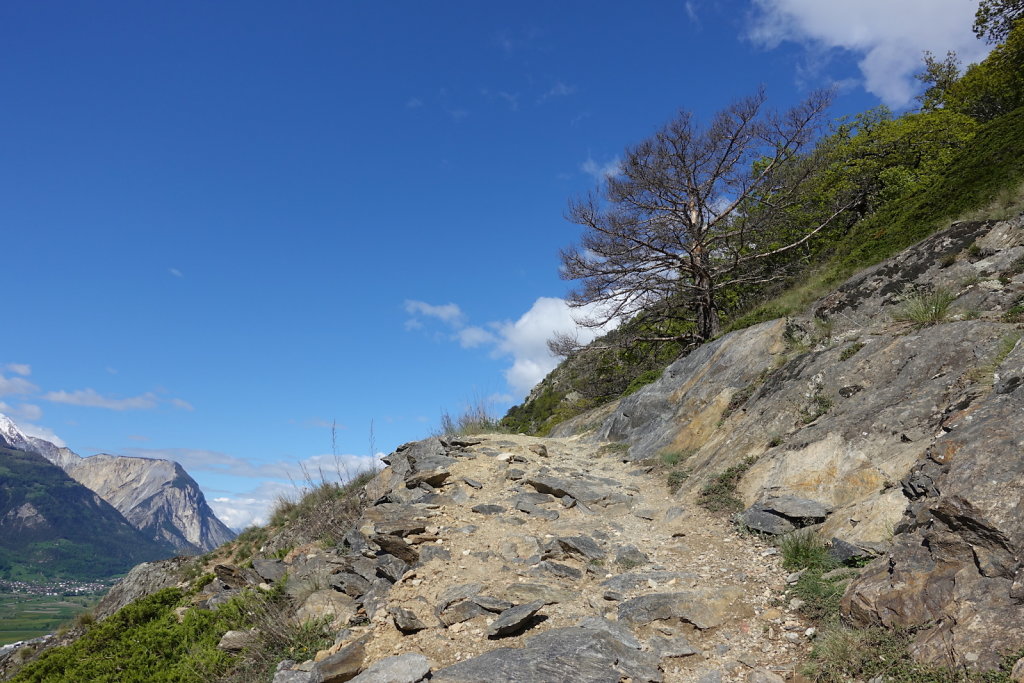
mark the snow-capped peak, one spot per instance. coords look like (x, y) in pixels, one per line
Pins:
(12, 436)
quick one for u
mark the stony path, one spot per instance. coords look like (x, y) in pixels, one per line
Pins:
(571, 532)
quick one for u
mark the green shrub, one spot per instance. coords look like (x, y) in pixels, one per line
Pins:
(925, 308)
(820, 404)
(804, 550)
(850, 350)
(719, 495)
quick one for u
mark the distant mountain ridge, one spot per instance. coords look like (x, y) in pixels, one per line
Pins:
(156, 497)
(53, 527)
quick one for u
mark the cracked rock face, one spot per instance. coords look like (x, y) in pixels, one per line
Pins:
(956, 559)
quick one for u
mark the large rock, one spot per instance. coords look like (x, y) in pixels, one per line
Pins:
(408, 668)
(704, 609)
(567, 654)
(955, 565)
(327, 604)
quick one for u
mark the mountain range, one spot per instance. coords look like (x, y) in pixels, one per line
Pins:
(153, 507)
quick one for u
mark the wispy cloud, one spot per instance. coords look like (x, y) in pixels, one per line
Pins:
(691, 11)
(16, 386)
(559, 89)
(601, 171)
(23, 369)
(41, 432)
(413, 103)
(448, 313)
(175, 272)
(181, 404)
(23, 411)
(888, 37)
(92, 399)
(511, 99)
(272, 481)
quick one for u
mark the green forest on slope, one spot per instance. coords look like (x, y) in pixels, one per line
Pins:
(959, 155)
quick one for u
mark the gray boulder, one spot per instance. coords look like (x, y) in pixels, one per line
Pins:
(566, 654)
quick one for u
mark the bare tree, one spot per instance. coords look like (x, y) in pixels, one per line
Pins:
(695, 211)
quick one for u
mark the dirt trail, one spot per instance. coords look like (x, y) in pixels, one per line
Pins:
(734, 583)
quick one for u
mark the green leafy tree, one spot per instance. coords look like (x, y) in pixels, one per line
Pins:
(875, 158)
(995, 86)
(996, 18)
(938, 77)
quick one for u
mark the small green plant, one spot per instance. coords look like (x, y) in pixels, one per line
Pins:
(947, 261)
(925, 308)
(85, 619)
(738, 400)
(675, 479)
(974, 251)
(476, 418)
(823, 328)
(614, 448)
(804, 550)
(775, 440)
(674, 458)
(1015, 314)
(850, 350)
(719, 495)
(820, 404)
(985, 373)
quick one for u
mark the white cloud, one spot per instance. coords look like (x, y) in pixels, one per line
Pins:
(526, 340)
(90, 398)
(25, 411)
(181, 404)
(274, 480)
(41, 433)
(175, 272)
(16, 386)
(601, 172)
(448, 313)
(691, 11)
(23, 369)
(512, 99)
(472, 337)
(414, 103)
(889, 37)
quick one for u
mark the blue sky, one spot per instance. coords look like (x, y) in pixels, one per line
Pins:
(228, 225)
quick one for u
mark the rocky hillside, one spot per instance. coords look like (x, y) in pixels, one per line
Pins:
(157, 497)
(888, 418)
(510, 558)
